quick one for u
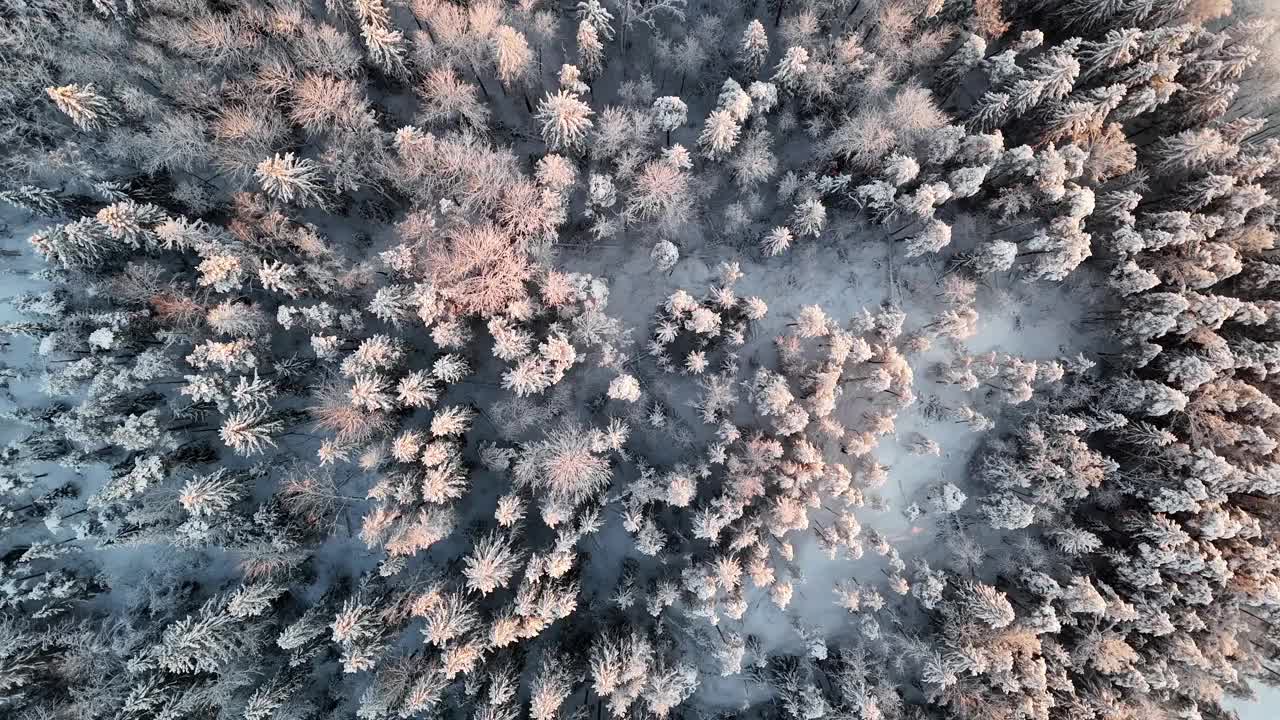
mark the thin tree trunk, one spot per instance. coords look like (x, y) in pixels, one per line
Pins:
(483, 89)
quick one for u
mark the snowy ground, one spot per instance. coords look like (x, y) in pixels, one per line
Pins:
(1266, 707)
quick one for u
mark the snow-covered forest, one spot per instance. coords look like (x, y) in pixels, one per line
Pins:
(505, 359)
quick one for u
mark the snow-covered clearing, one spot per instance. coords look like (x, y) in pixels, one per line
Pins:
(844, 273)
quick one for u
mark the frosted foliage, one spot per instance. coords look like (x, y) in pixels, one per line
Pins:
(809, 217)
(594, 13)
(776, 241)
(512, 54)
(287, 178)
(665, 255)
(934, 237)
(988, 605)
(947, 498)
(791, 67)
(900, 170)
(624, 387)
(491, 564)
(565, 120)
(1008, 512)
(601, 191)
(754, 46)
(734, 100)
(764, 96)
(670, 113)
(87, 109)
(590, 49)
(719, 135)
(877, 360)
(564, 465)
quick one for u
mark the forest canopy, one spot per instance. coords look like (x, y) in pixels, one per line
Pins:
(796, 359)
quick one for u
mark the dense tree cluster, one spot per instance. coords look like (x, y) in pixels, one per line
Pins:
(317, 413)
